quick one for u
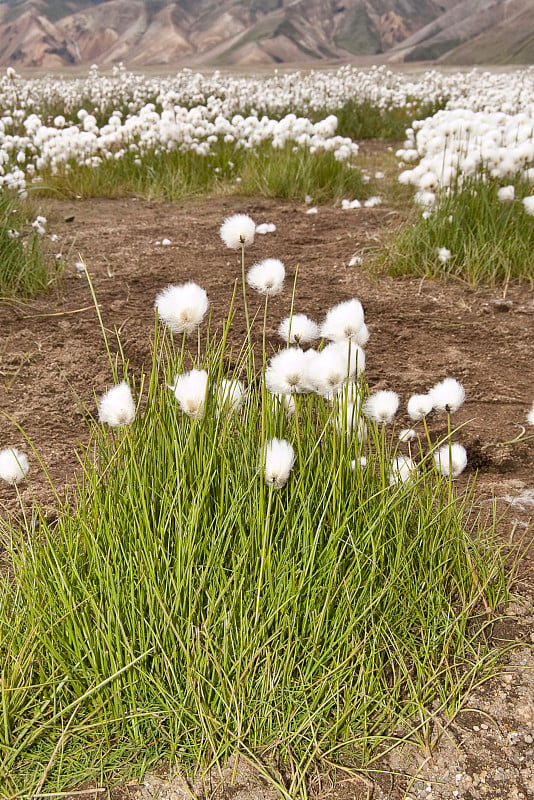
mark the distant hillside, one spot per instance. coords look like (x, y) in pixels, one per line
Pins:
(56, 33)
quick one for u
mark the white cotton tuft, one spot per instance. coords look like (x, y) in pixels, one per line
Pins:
(451, 460)
(419, 405)
(447, 395)
(116, 407)
(350, 204)
(182, 308)
(331, 368)
(381, 406)
(267, 276)
(265, 227)
(230, 395)
(444, 254)
(528, 205)
(402, 470)
(279, 458)
(359, 463)
(506, 194)
(530, 416)
(190, 389)
(13, 465)
(298, 329)
(407, 435)
(238, 231)
(345, 322)
(287, 372)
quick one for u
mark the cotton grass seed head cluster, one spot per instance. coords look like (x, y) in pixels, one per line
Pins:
(298, 329)
(451, 459)
(465, 148)
(14, 465)
(238, 231)
(327, 378)
(190, 389)
(267, 276)
(278, 462)
(447, 395)
(119, 116)
(332, 373)
(116, 407)
(182, 308)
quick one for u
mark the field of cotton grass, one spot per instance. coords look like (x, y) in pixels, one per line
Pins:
(468, 146)
(256, 559)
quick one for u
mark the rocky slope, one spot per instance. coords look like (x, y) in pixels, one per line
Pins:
(55, 33)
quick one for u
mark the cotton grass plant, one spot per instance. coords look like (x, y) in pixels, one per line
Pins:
(487, 241)
(290, 172)
(473, 172)
(23, 263)
(232, 579)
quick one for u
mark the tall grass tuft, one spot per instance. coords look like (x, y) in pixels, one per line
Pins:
(180, 608)
(289, 172)
(365, 119)
(23, 267)
(490, 242)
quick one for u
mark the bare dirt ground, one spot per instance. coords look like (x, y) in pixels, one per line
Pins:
(53, 363)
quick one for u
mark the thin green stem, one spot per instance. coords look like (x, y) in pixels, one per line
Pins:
(264, 553)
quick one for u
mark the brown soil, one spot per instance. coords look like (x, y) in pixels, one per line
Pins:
(53, 363)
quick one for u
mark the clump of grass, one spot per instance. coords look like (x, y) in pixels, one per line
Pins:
(23, 267)
(179, 607)
(490, 242)
(287, 172)
(365, 119)
(294, 173)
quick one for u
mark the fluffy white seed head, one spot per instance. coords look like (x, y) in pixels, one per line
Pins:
(381, 406)
(182, 308)
(238, 231)
(444, 254)
(333, 366)
(267, 276)
(419, 405)
(359, 463)
(447, 395)
(116, 407)
(506, 194)
(298, 329)
(345, 322)
(287, 372)
(528, 205)
(407, 435)
(402, 470)
(451, 460)
(265, 227)
(13, 465)
(530, 416)
(230, 395)
(279, 458)
(190, 390)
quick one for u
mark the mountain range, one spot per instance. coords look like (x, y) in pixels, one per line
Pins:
(52, 34)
